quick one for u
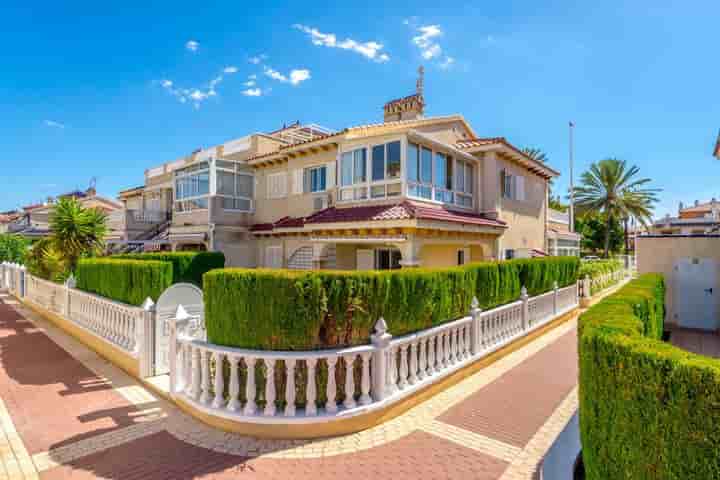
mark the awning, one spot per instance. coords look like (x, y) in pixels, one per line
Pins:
(187, 237)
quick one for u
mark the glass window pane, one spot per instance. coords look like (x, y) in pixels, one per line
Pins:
(393, 160)
(378, 162)
(347, 165)
(468, 178)
(360, 166)
(460, 180)
(377, 191)
(203, 183)
(245, 184)
(426, 165)
(225, 183)
(412, 162)
(440, 170)
(449, 180)
(322, 180)
(394, 189)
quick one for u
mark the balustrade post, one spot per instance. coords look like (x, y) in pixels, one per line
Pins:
(23, 280)
(475, 327)
(180, 316)
(69, 283)
(145, 334)
(381, 342)
(555, 298)
(586, 286)
(526, 307)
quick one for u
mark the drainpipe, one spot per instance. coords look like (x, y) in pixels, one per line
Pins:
(211, 237)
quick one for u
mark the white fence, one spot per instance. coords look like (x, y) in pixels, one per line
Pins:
(592, 286)
(301, 387)
(114, 322)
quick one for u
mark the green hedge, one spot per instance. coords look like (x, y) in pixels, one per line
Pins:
(127, 281)
(648, 410)
(292, 310)
(596, 268)
(188, 267)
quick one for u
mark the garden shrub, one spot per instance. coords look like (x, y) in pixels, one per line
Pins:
(648, 410)
(597, 268)
(127, 281)
(188, 267)
(297, 310)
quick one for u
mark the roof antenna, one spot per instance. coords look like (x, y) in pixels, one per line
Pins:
(420, 81)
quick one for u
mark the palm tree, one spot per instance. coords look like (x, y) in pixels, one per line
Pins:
(611, 187)
(536, 154)
(76, 230)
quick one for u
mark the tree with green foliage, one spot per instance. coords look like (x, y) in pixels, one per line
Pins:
(612, 188)
(77, 231)
(593, 228)
(13, 248)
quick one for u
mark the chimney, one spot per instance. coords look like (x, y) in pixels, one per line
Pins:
(410, 107)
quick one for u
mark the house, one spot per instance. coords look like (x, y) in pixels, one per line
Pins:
(560, 239)
(410, 191)
(34, 220)
(699, 218)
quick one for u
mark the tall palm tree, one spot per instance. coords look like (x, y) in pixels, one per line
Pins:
(535, 154)
(611, 187)
(76, 230)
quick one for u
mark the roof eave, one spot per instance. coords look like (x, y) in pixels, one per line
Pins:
(517, 155)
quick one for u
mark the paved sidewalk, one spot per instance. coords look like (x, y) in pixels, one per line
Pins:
(67, 413)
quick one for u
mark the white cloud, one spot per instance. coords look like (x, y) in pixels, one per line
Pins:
(53, 124)
(192, 45)
(429, 48)
(275, 75)
(252, 92)
(257, 59)
(250, 83)
(370, 50)
(252, 77)
(427, 42)
(230, 70)
(298, 76)
(194, 95)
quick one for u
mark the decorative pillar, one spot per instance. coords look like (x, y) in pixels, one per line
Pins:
(380, 339)
(145, 339)
(526, 307)
(410, 251)
(475, 327)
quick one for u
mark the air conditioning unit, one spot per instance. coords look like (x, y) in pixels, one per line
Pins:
(321, 203)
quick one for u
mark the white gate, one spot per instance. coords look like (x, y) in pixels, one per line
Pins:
(695, 297)
(191, 298)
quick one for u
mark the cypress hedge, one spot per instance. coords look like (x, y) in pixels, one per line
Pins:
(294, 310)
(188, 267)
(648, 410)
(127, 281)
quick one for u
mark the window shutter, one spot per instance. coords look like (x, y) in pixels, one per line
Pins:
(330, 176)
(520, 187)
(297, 182)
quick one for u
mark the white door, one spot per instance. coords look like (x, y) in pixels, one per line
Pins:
(695, 296)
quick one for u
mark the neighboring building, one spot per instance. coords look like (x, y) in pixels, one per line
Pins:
(412, 191)
(34, 221)
(561, 240)
(700, 218)
(7, 219)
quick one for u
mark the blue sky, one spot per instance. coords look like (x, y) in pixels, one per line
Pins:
(85, 86)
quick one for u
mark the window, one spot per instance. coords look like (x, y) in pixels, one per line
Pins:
(315, 179)
(192, 186)
(359, 166)
(412, 163)
(277, 185)
(378, 162)
(434, 175)
(426, 165)
(513, 186)
(509, 254)
(463, 256)
(393, 160)
(387, 259)
(234, 185)
(383, 169)
(386, 161)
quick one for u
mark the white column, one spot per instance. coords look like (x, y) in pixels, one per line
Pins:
(380, 339)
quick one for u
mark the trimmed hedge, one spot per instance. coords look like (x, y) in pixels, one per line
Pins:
(648, 410)
(596, 268)
(127, 281)
(188, 267)
(293, 310)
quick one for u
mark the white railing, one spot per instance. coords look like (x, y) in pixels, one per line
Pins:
(300, 387)
(592, 286)
(149, 216)
(114, 322)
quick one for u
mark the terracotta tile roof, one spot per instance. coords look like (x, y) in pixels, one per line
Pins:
(406, 98)
(536, 252)
(538, 167)
(370, 213)
(700, 207)
(478, 142)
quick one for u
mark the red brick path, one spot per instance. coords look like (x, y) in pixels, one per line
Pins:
(54, 400)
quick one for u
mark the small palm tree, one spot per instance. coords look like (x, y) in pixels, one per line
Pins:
(536, 154)
(76, 230)
(611, 187)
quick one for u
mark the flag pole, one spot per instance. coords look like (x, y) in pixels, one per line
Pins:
(572, 186)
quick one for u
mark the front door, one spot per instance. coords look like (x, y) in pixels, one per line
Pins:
(695, 295)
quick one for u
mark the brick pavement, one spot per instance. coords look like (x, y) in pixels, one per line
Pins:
(67, 413)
